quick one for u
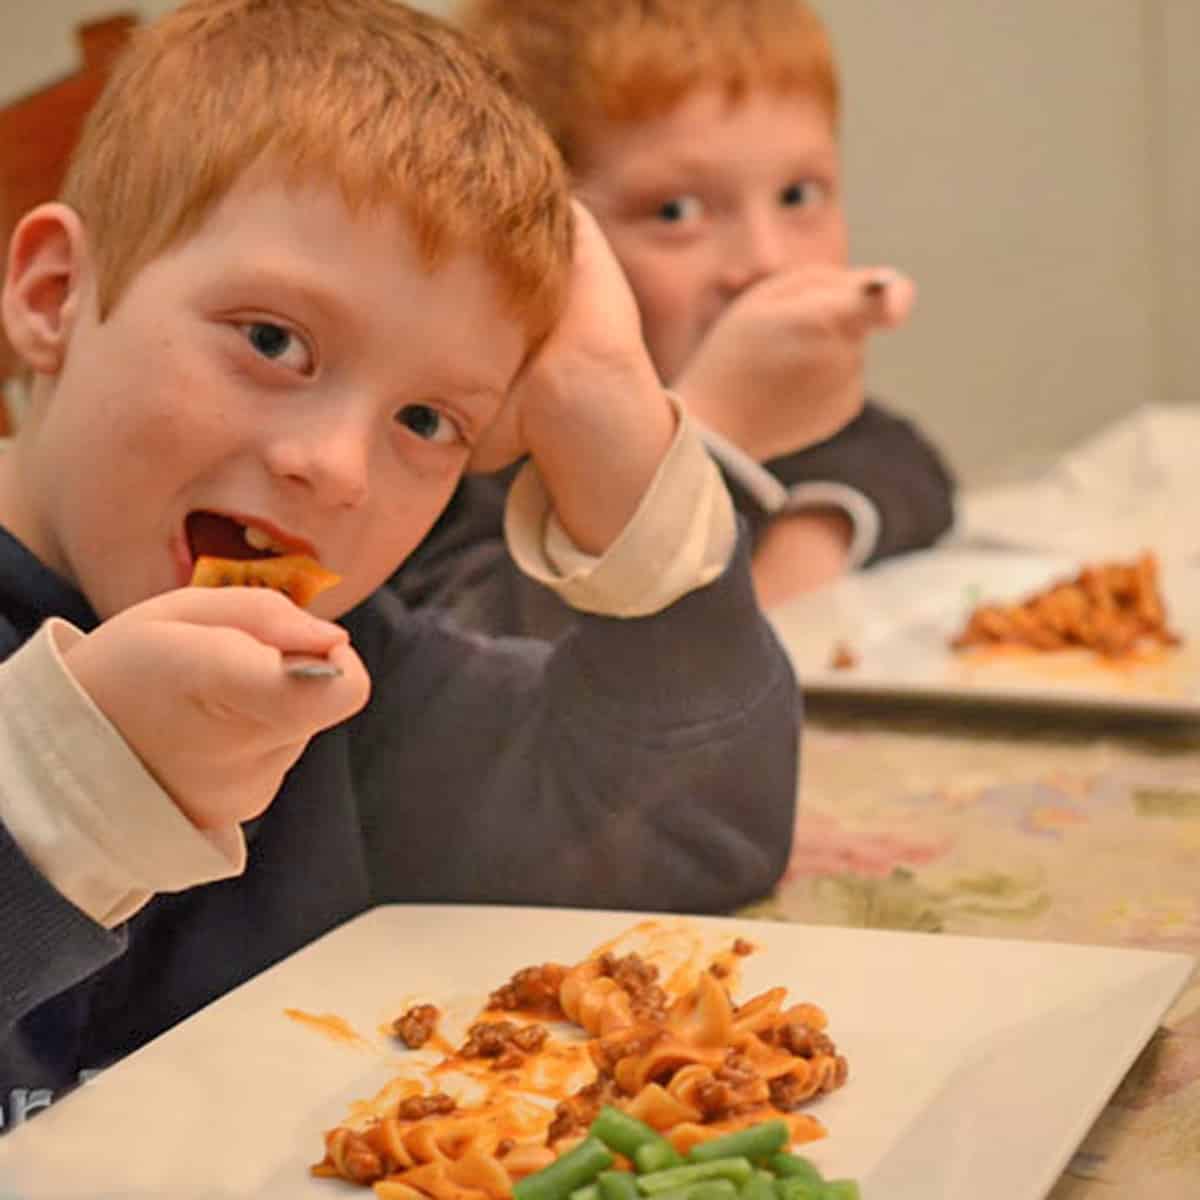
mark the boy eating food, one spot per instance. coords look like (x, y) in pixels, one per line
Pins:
(702, 134)
(310, 258)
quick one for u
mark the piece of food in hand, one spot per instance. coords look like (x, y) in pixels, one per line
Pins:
(299, 576)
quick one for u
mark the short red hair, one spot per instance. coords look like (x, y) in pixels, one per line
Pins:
(583, 63)
(395, 106)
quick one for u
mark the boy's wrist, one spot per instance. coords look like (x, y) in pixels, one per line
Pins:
(679, 539)
(710, 407)
(602, 452)
(90, 816)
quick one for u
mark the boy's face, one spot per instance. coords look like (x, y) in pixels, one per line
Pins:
(702, 202)
(288, 368)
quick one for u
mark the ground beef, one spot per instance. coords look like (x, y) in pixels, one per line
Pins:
(415, 1107)
(416, 1026)
(532, 989)
(506, 1042)
(639, 979)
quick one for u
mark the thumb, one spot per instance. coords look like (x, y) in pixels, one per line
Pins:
(892, 296)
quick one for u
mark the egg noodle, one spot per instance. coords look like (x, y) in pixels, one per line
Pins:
(556, 1043)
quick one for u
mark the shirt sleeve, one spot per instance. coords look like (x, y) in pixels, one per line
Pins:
(857, 508)
(772, 497)
(81, 805)
(888, 462)
(680, 538)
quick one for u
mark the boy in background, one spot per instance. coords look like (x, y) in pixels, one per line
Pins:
(276, 312)
(703, 136)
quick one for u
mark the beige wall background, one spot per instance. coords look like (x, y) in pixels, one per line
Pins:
(1035, 164)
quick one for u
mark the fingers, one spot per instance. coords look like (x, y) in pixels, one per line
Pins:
(852, 302)
(243, 678)
(887, 296)
(267, 616)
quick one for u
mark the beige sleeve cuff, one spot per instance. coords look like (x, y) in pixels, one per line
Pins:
(680, 538)
(79, 802)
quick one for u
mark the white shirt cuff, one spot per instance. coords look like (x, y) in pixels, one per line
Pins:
(754, 479)
(680, 538)
(79, 802)
(861, 512)
(774, 497)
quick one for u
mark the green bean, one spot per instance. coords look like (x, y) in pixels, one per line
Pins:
(760, 1186)
(656, 1156)
(589, 1191)
(841, 1189)
(574, 1170)
(796, 1188)
(706, 1189)
(755, 1142)
(793, 1166)
(712, 1189)
(617, 1185)
(736, 1170)
(623, 1133)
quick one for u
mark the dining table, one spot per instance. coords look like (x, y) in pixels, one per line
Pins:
(945, 812)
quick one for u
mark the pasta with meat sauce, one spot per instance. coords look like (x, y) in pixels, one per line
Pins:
(679, 1055)
(1112, 609)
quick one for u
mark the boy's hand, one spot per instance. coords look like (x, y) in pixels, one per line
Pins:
(782, 368)
(194, 681)
(589, 407)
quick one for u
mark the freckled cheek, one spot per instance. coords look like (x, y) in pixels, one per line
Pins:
(404, 510)
(180, 414)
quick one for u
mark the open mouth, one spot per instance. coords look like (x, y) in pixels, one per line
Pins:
(212, 535)
(230, 553)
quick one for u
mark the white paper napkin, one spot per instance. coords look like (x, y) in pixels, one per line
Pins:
(1133, 486)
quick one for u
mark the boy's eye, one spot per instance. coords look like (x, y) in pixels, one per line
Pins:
(429, 424)
(804, 193)
(678, 209)
(278, 343)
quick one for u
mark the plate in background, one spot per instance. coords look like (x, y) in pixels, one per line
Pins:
(898, 620)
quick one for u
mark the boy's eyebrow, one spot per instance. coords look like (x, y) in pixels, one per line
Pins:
(665, 171)
(286, 278)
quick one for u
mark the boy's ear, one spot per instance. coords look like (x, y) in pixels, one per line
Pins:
(42, 285)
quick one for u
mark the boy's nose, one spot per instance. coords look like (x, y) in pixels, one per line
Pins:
(330, 458)
(755, 248)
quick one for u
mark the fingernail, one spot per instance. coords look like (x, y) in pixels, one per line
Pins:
(314, 669)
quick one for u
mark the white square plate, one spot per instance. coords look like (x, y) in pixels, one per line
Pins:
(898, 620)
(976, 1065)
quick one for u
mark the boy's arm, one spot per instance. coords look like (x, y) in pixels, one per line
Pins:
(645, 759)
(882, 461)
(86, 833)
(618, 507)
(106, 798)
(641, 763)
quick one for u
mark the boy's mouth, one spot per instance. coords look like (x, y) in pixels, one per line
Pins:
(229, 552)
(217, 536)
